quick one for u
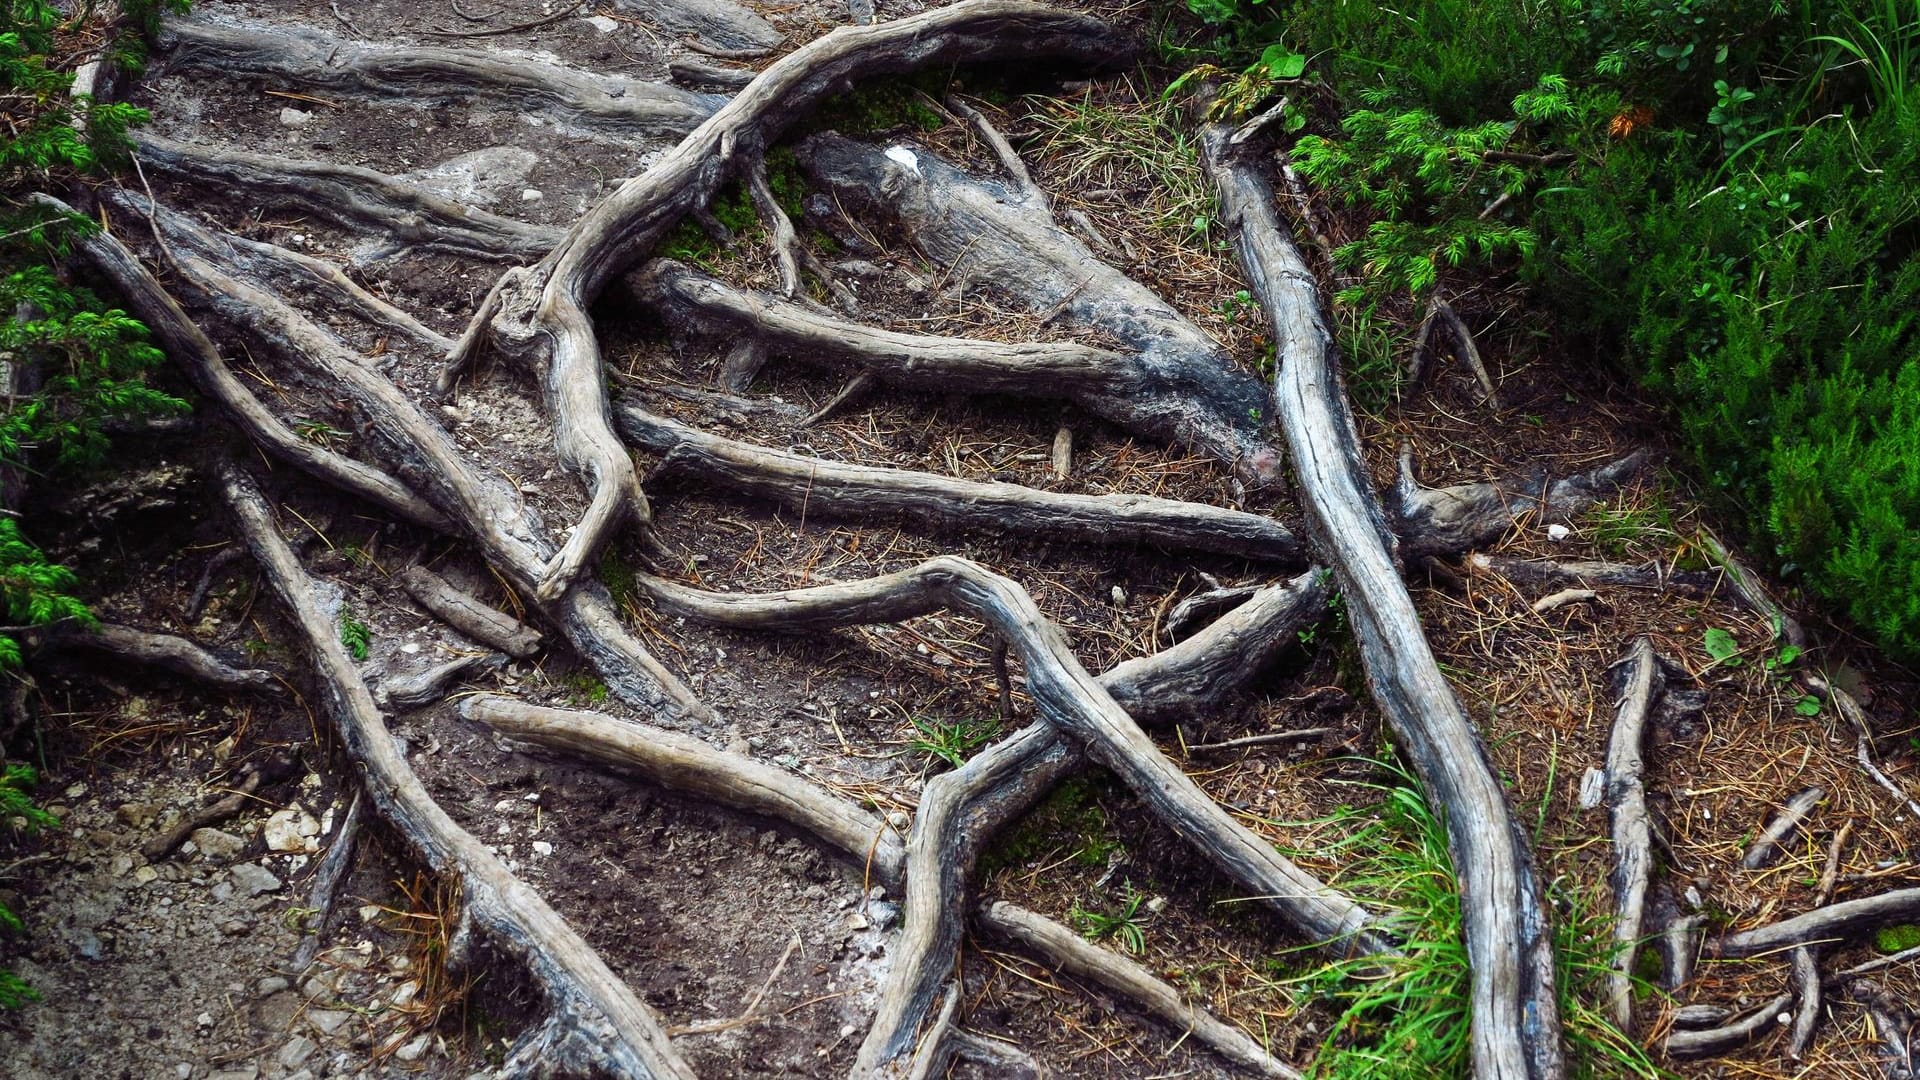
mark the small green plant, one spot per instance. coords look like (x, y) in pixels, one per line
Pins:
(357, 636)
(18, 813)
(1123, 925)
(583, 688)
(952, 741)
(1721, 646)
(1899, 938)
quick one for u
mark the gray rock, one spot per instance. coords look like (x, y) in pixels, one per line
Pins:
(328, 1021)
(294, 118)
(254, 879)
(296, 1052)
(272, 985)
(217, 844)
(415, 1049)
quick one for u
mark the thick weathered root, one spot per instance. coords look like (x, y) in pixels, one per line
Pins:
(685, 764)
(1516, 1021)
(194, 351)
(427, 75)
(833, 489)
(1642, 681)
(148, 649)
(423, 688)
(1844, 921)
(479, 622)
(1783, 825)
(1171, 382)
(1544, 573)
(542, 314)
(324, 892)
(1116, 974)
(1069, 698)
(410, 216)
(1452, 520)
(597, 1020)
(1712, 1042)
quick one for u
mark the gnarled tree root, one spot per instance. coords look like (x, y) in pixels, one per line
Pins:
(1516, 1021)
(1642, 682)
(817, 486)
(542, 314)
(1710, 1042)
(596, 1021)
(144, 647)
(1843, 921)
(426, 75)
(476, 620)
(1451, 520)
(1110, 971)
(1171, 382)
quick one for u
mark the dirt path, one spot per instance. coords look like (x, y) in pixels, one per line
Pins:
(334, 196)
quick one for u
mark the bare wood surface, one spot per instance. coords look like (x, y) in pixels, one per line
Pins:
(1843, 921)
(1516, 1021)
(1785, 822)
(1642, 682)
(484, 624)
(1708, 1042)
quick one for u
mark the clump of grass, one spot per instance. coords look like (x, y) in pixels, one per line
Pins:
(952, 741)
(1123, 925)
(1408, 1017)
(1142, 149)
(1069, 821)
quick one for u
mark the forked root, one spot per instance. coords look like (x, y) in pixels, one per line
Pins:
(1452, 520)
(597, 1023)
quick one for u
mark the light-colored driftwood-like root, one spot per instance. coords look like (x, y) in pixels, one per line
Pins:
(1642, 681)
(1516, 1022)
(1068, 697)
(1680, 950)
(607, 1027)
(836, 489)
(1694, 1017)
(1069, 952)
(1453, 520)
(1856, 717)
(487, 510)
(1711, 1042)
(1022, 180)
(324, 892)
(542, 314)
(290, 271)
(238, 797)
(693, 71)
(1170, 381)
(1843, 921)
(423, 688)
(1548, 573)
(194, 351)
(685, 764)
(411, 216)
(425, 75)
(1806, 1011)
(148, 649)
(1784, 824)
(480, 622)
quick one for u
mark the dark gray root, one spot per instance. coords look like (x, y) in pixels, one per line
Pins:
(1895, 1024)
(1712, 1042)
(1025, 190)
(1843, 921)
(1516, 1017)
(1806, 1014)
(833, 489)
(683, 763)
(1453, 520)
(1830, 876)
(424, 688)
(613, 1030)
(1441, 313)
(1204, 607)
(1784, 824)
(1850, 711)
(411, 216)
(325, 890)
(1069, 952)
(479, 622)
(1171, 382)
(428, 75)
(693, 71)
(1124, 388)
(717, 27)
(1701, 1016)
(194, 351)
(935, 1054)
(1878, 963)
(1680, 949)
(1277, 738)
(235, 800)
(790, 256)
(851, 391)
(1642, 681)
(541, 315)
(1546, 573)
(166, 651)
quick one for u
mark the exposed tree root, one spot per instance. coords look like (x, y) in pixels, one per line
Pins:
(1806, 1013)
(1171, 382)
(1896, 1024)
(1441, 313)
(427, 75)
(476, 620)
(148, 649)
(685, 764)
(1452, 520)
(1843, 921)
(410, 216)
(1642, 682)
(596, 1022)
(1711, 1042)
(1114, 973)
(1516, 1022)
(833, 489)
(324, 892)
(541, 314)
(1784, 824)
(1546, 573)
(426, 687)
(272, 770)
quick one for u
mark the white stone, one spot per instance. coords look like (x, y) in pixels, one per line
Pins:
(292, 829)
(602, 24)
(906, 158)
(1558, 532)
(294, 118)
(532, 195)
(541, 847)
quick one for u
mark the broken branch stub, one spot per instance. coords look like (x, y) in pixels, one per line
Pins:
(597, 1023)
(541, 314)
(1516, 1016)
